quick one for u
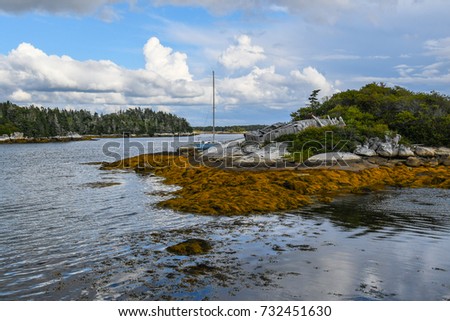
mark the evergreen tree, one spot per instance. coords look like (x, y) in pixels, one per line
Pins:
(46, 122)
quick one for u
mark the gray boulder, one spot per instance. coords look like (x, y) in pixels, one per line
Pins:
(446, 161)
(433, 162)
(364, 150)
(374, 143)
(387, 150)
(442, 151)
(413, 162)
(404, 151)
(249, 148)
(424, 151)
(334, 158)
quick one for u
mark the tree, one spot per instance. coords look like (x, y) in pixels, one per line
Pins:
(309, 110)
(45, 122)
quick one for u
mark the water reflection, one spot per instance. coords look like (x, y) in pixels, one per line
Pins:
(388, 213)
(68, 233)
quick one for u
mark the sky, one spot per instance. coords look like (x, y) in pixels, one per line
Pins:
(267, 55)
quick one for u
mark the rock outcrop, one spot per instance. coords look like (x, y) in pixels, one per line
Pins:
(424, 151)
(334, 158)
(18, 137)
(272, 132)
(413, 162)
(391, 148)
(365, 150)
(239, 153)
(404, 151)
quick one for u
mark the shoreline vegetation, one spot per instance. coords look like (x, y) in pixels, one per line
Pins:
(43, 125)
(215, 185)
(36, 122)
(18, 138)
(209, 190)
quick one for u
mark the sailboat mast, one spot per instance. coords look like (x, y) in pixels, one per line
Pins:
(214, 109)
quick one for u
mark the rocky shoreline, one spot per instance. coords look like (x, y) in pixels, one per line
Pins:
(245, 154)
(215, 183)
(19, 138)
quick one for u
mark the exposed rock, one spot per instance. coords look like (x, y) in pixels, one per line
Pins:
(396, 162)
(190, 247)
(222, 150)
(431, 162)
(393, 140)
(404, 151)
(446, 161)
(374, 143)
(17, 135)
(73, 135)
(413, 162)
(332, 159)
(377, 160)
(248, 148)
(442, 151)
(236, 151)
(251, 160)
(387, 150)
(424, 151)
(364, 150)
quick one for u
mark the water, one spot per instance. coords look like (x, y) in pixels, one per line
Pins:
(70, 231)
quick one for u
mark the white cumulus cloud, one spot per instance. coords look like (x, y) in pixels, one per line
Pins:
(313, 77)
(29, 75)
(267, 87)
(242, 55)
(163, 61)
(261, 85)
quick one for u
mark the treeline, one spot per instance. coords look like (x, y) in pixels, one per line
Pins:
(232, 129)
(48, 122)
(376, 109)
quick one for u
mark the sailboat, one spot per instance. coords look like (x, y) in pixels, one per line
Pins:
(205, 145)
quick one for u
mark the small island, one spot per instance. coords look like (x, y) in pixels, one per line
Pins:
(378, 142)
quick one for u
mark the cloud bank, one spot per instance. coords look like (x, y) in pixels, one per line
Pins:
(103, 9)
(52, 6)
(29, 75)
(311, 10)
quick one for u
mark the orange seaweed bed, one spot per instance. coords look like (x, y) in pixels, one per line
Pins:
(213, 191)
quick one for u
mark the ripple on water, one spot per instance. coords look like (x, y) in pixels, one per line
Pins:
(61, 239)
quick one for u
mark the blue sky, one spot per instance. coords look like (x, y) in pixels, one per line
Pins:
(268, 55)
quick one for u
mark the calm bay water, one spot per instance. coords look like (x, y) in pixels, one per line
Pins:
(69, 231)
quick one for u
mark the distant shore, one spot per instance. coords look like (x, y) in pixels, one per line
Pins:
(42, 140)
(63, 139)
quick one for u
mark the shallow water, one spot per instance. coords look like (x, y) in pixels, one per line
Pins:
(70, 231)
